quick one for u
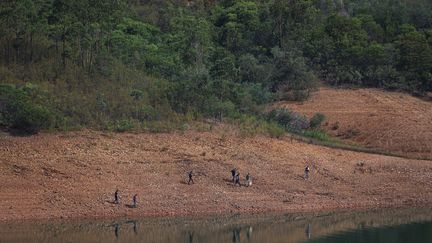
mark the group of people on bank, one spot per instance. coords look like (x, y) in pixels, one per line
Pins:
(235, 179)
(117, 199)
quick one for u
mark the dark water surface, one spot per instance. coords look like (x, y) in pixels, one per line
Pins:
(408, 225)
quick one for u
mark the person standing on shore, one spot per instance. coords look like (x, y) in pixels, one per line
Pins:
(307, 170)
(248, 180)
(233, 174)
(134, 201)
(116, 197)
(237, 179)
(190, 174)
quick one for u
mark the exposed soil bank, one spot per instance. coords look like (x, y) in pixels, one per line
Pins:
(389, 121)
(74, 175)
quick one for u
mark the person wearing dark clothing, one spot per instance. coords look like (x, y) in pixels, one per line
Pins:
(116, 197)
(307, 170)
(190, 178)
(116, 230)
(134, 201)
(135, 227)
(237, 179)
(233, 173)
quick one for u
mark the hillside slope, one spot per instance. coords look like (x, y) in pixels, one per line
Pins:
(75, 175)
(389, 121)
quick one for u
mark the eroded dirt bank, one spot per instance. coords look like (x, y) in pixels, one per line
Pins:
(74, 175)
(389, 121)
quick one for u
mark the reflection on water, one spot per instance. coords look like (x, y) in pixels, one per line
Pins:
(414, 232)
(414, 225)
(308, 231)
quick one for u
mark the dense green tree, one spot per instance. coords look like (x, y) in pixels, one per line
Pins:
(113, 63)
(415, 58)
(237, 25)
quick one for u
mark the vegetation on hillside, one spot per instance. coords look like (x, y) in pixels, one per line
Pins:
(124, 64)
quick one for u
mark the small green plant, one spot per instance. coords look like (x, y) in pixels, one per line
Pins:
(184, 127)
(274, 130)
(124, 125)
(282, 116)
(317, 120)
(319, 135)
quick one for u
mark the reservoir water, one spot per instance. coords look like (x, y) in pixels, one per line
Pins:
(407, 225)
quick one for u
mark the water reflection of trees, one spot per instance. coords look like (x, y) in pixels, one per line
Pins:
(265, 228)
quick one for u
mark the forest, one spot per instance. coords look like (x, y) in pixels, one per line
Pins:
(135, 64)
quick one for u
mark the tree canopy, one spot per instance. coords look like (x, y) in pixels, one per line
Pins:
(111, 60)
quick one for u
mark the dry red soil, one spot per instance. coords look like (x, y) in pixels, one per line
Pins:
(388, 121)
(74, 175)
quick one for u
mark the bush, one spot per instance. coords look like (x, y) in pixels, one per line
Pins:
(148, 113)
(293, 95)
(345, 75)
(124, 125)
(31, 119)
(318, 135)
(18, 111)
(316, 120)
(218, 109)
(281, 116)
(298, 123)
(274, 130)
(290, 120)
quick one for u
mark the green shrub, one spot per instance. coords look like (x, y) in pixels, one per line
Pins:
(316, 120)
(148, 113)
(293, 95)
(124, 125)
(290, 120)
(218, 109)
(274, 130)
(301, 95)
(318, 135)
(136, 94)
(249, 125)
(31, 119)
(282, 116)
(20, 113)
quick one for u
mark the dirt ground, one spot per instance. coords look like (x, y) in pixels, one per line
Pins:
(389, 121)
(74, 175)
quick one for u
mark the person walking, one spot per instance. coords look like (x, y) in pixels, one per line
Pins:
(190, 174)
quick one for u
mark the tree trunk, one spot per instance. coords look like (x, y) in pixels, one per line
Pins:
(31, 48)
(64, 51)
